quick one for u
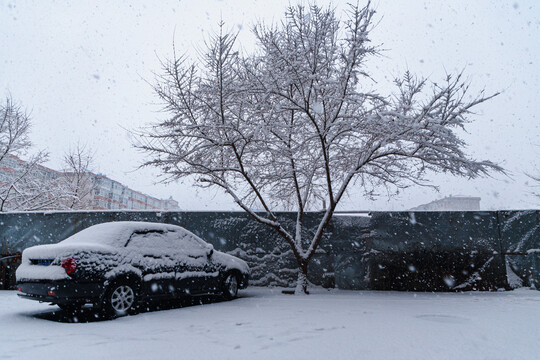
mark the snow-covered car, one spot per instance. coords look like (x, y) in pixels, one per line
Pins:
(115, 265)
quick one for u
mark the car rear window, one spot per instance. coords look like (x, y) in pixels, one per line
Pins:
(104, 234)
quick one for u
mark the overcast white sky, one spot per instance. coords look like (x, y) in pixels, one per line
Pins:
(80, 67)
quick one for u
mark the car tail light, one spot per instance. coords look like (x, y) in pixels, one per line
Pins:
(69, 265)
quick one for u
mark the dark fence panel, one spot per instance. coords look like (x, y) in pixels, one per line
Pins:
(422, 251)
(520, 241)
(431, 251)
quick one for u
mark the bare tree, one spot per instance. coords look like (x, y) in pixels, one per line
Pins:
(23, 185)
(33, 188)
(78, 177)
(14, 129)
(535, 184)
(296, 123)
(534, 181)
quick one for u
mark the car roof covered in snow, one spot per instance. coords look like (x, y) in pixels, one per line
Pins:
(118, 232)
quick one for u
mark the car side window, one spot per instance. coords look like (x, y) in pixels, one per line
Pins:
(166, 242)
(150, 239)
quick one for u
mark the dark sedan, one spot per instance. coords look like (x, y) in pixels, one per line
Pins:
(115, 265)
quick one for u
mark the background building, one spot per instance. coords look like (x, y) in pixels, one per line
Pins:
(110, 194)
(102, 193)
(451, 203)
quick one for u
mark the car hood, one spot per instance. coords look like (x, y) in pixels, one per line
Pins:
(231, 262)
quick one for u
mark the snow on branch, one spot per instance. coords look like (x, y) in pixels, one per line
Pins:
(292, 125)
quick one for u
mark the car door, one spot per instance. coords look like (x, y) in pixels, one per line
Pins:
(156, 261)
(195, 273)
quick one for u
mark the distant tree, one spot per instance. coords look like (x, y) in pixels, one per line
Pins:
(534, 181)
(296, 123)
(23, 185)
(14, 129)
(535, 185)
(79, 181)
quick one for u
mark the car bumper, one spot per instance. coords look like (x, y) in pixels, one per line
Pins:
(61, 292)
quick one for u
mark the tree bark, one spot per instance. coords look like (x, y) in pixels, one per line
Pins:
(302, 282)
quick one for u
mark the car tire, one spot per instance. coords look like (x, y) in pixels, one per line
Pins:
(120, 299)
(230, 286)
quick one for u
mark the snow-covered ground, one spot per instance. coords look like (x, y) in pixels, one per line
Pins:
(265, 324)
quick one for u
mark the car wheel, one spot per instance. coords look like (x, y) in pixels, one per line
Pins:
(230, 286)
(120, 299)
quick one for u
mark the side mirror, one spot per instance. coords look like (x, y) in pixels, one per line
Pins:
(209, 250)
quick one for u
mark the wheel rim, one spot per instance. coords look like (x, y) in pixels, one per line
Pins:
(122, 298)
(232, 285)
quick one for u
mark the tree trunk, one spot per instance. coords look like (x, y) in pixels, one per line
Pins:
(302, 282)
